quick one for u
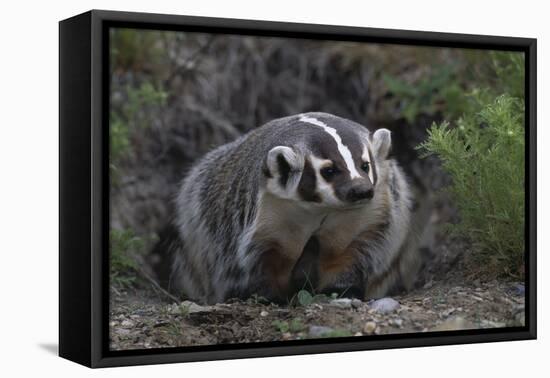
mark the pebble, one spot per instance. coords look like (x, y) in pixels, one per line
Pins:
(127, 324)
(396, 322)
(341, 302)
(448, 312)
(192, 307)
(356, 303)
(517, 289)
(491, 324)
(319, 331)
(428, 284)
(369, 328)
(384, 305)
(264, 313)
(453, 324)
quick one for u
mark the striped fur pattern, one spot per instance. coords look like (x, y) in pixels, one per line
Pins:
(308, 192)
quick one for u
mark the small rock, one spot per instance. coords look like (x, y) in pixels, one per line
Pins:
(396, 322)
(492, 324)
(429, 284)
(319, 331)
(264, 313)
(448, 312)
(357, 334)
(369, 328)
(341, 302)
(517, 289)
(122, 332)
(385, 305)
(453, 324)
(192, 307)
(286, 336)
(356, 303)
(127, 324)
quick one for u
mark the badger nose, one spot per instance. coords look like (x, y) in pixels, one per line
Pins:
(359, 193)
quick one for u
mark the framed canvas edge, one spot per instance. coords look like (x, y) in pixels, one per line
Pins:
(437, 339)
(99, 357)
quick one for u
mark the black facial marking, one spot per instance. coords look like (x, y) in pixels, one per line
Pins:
(284, 170)
(308, 184)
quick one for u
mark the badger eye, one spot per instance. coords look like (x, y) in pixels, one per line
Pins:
(328, 172)
(365, 167)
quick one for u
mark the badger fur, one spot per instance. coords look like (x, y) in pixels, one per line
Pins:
(311, 197)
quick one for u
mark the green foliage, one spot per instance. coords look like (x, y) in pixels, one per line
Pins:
(135, 50)
(304, 298)
(123, 246)
(280, 325)
(440, 89)
(120, 138)
(295, 325)
(134, 114)
(485, 155)
(445, 89)
(338, 333)
(482, 147)
(500, 72)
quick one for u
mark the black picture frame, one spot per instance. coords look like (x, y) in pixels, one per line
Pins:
(84, 191)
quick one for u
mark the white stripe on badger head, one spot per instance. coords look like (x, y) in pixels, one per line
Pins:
(366, 157)
(342, 148)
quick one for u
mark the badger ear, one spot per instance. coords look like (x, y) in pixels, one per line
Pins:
(283, 162)
(381, 141)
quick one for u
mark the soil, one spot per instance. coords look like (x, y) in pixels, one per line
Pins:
(140, 319)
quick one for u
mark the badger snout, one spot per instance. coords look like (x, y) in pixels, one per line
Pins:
(360, 191)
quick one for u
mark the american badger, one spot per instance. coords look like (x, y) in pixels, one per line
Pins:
(311, 192)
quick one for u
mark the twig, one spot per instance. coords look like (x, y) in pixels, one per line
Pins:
(115, 290)
(193, 59)
(156, 286)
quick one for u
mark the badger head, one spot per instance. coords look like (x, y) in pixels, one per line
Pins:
(327, 162)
